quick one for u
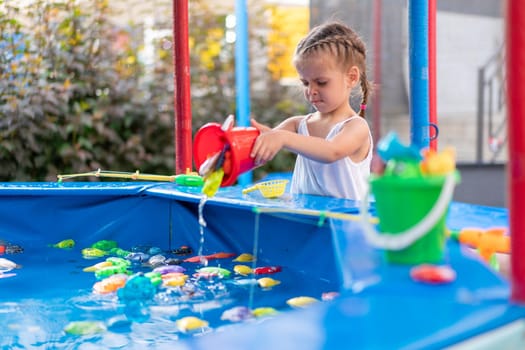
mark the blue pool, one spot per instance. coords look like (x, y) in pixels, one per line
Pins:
(381, 307)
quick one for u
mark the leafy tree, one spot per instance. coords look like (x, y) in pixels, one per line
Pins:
(74, 95)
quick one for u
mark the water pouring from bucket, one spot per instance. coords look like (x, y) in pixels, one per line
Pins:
(222, 153)
(412, 199)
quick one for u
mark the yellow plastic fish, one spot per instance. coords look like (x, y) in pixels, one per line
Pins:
(244, 257)
(267, 282)
(212, 183)
(264, 311)
(190, 323)
(301, 301)
(174, 280)
(242, 270)
(439, 163)
(64, 244)
(93, 253)
(98, 266)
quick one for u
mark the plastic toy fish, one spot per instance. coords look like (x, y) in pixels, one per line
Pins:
(267, 282)
(173, 261)
(432, 274)
(7, 265)
(169, 269)
(97, 266)
(154, 277)
(212, 271)
(93, 253)
(183, 250)
(111, 270)
(197, 259)
(154, 251)
(64, 244)
(84, 327)
(329, 296)
(104, 244)
(267, 270)
(190, 323)
(157, 260)
(7, 248)
(220, 255)
(246, 282)
(13, 249)
(118, 261)
(119, 252)
(237, 314)
(138, 288)
(242, 270)
(137, 256)
(110, 284)
(212, 183)
(301, 301)
(486, 241)
(174, 279)
(264, 312)
(244, 257)
(439, 163)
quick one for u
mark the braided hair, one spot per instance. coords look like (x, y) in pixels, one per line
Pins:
(344, 44)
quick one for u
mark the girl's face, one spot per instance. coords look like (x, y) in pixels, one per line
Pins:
(326, 85)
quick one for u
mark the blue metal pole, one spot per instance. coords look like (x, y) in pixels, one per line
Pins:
(418, 61)
(242, 73)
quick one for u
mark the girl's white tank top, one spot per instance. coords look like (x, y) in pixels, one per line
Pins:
(343, 178)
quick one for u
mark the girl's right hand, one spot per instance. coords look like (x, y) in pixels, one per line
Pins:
(267, 144)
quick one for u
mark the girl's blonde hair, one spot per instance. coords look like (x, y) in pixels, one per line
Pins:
(345, 45)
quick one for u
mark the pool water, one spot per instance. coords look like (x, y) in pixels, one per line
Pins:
(50, 291)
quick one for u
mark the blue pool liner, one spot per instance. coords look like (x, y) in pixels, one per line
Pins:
(391, 311)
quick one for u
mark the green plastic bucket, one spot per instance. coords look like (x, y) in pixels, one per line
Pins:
(401, 203)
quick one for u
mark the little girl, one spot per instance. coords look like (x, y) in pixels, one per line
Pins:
(334, 144)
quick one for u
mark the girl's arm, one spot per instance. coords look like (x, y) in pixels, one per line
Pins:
(352, 141)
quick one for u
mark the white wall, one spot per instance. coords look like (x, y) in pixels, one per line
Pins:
(464, 44)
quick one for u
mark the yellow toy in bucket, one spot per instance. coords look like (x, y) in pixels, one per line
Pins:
(269, 189)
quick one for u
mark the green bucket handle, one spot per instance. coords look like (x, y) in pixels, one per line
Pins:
(404, 239)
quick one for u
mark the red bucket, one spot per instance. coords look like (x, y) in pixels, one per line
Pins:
(211, 139)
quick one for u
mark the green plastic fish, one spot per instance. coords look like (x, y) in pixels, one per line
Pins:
(64, 244)
(212, 270)
(84, 327)
(104, 244)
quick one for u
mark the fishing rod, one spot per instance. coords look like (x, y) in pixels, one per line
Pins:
(189, 179)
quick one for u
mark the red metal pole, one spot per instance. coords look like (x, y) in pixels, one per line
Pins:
(516, 129)
(432, 76)
(182, 92)
(377, 71)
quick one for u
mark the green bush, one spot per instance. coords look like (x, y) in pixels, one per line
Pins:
(74, 96)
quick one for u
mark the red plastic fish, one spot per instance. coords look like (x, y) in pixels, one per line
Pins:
(264, 270)
(195, 259)
(221, 255)
(432, 274)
